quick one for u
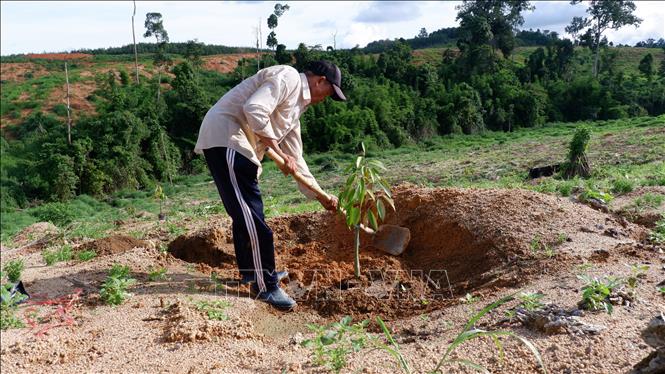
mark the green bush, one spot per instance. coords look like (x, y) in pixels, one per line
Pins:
(57, 213)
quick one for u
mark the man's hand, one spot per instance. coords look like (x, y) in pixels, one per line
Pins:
(290, 166)
(330, 204)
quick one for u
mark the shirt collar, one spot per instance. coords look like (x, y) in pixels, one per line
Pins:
(307, 98)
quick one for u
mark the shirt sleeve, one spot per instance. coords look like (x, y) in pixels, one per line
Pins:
(292, 146)
(262, 103)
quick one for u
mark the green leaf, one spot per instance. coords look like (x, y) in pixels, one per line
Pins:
(381, 209)
(354, 216)
(372, 221)
(358, 161)
(362, 145)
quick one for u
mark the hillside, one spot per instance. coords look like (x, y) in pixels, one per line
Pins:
(37, 83)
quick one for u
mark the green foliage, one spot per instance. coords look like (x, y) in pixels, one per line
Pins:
(636, 273)
(392, 347)
(86, 255)
(622, 186)
(577, 163)
(58, 255)
(364, 197)
(592, 193)
(531, 300)
(658, 233)
(56, 213)
(157, 274)
(470, 332)
(8, 317)
(215, 310)
(114, 288)
(333, 343)
(13, 270)
(596, 292)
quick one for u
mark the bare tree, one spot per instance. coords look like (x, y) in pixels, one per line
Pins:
(136, 56)
(69, 116)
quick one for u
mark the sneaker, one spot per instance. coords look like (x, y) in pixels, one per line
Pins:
(277, 297)
(247, 279)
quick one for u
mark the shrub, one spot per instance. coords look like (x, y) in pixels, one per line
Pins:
(57, 213)
(62, 254)
(13, 270)
(114, 289)
(577, 163)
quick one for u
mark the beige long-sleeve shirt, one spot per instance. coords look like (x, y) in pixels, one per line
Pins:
(271, 103)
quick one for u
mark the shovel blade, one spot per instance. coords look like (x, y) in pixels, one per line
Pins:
(392, 239)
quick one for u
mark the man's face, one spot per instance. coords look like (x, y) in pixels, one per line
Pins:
(319, 88)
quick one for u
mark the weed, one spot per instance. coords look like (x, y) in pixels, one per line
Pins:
(8, 318)
(596, 292)
(636, 273)
(60, 255)
(174, 230)
(86, 255)
(469, 299)
(469, 332)
(392, 347)
(215, 310)
(658, 233)
(334, 342)
(535, 244)
(661, 290)
(13, 270)
(584, 267)
(622, 186)
(114, 289)
(648, 200)
(157, 274)
(531, 300)
(561, 238)
(591, 193)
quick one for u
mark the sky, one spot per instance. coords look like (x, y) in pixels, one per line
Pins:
(57, 26)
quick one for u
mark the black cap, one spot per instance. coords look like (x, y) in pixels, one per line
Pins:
(333, 75)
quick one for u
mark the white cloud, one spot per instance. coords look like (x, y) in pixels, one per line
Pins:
(388, 12)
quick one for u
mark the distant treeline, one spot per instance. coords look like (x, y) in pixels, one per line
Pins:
(173, 48)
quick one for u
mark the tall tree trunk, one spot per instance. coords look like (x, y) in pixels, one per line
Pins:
(595, 57)
(136, 56)
(159, 81)
(69, 116)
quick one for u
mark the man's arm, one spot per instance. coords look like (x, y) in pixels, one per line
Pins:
(292, 146)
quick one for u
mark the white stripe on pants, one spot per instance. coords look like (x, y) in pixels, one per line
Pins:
(249, 221)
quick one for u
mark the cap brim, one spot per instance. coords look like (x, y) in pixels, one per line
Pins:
(338, 95)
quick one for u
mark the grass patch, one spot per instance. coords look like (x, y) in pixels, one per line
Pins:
(52, 257)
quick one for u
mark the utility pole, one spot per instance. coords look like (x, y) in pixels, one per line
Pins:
(69, 116)
(136, 56)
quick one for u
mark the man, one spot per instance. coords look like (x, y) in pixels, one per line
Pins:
(269, 104)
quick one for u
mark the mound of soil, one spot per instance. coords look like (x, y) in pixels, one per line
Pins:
(113, 245)
(185, 324)
(647, 216)
(462, 240)
(36, 236)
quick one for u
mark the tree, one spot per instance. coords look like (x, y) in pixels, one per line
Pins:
(603, 15)
(154, 26)
(490, 22)
(423, 33)
(272, 24)
(193, 52)
(646, 66)
(136, 55)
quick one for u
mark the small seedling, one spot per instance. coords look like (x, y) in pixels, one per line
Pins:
(114, 289)
(596, 292)
(161, 197)
(363, 199)
(561, 238)
(86, 255)
(13, 270)
(157, 274)
(215, 310)
(584, 267)
(661, 290)
(658, 233)
(62, 254)
(334, 342)
(392, 347)
(535, 244)
(636, 272)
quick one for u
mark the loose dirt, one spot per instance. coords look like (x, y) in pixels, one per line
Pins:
(626, 206)
(484, 239)
(463, 241)
(59, 56)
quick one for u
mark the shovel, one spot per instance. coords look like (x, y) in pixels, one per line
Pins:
(391, 239)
